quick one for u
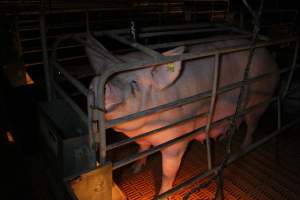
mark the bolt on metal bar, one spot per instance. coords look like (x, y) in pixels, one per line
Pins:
(212, 108)
(232, 159)
(133, 139)
(71, 79)
(75, 107)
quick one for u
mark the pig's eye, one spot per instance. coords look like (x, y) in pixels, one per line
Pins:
(134, 86)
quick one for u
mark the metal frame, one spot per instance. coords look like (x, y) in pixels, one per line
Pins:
(95, 96)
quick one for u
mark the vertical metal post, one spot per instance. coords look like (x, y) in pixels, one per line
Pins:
(47, 71)
(100, 113)
(212, 108)
(291, 74)
(277, 140)
(278, 113)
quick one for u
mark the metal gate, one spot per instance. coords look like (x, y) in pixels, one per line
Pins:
(95, 97)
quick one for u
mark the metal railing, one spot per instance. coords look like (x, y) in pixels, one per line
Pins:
(95, 98)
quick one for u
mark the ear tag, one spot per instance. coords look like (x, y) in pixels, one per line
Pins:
(171, 67)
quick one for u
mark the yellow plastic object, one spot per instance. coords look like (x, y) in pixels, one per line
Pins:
(96, 185)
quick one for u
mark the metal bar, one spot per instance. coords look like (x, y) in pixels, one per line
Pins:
(212, 108)
(164, 45)
(92, 132)
(239, 30)
(133, 139)
(75, 107)
(76, 10)
(182, 32)
(188, 100)
(232, 159)
(47, 70)
(60, 60)
(190, 56)
(155, 149)
(103, 52)
(293, 69)
(136, 45)
(154, 46)
(71, 79)
(175, 27)
(148, 29)
(197, 41)
(50, 49)
(99, 98)
(36, 38)
(279, 112)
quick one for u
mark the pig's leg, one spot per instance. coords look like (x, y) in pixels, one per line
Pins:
(252, 121)
(171, 158)
(138, 165)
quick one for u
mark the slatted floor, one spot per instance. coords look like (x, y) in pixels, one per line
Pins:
(258, 176)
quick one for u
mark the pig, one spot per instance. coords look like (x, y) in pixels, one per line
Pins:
(133, 91)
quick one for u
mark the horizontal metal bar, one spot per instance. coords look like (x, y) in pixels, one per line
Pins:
(59, 60)
(149, 29)
(188, 100)
(133, 139)
(279, 10)
(50, 49)
(74, 10)
(232, 159)
(175, 27)
(241, 31)
(162, 33)
(136, 45)
(37, 38)
(213, 1)
(153, 46)
(74, 106)
(197, 41)
(189, 56)
(155, 149)
(70, 78)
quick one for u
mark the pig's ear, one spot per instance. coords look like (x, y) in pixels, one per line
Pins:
(95, 52)
(164, 75)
